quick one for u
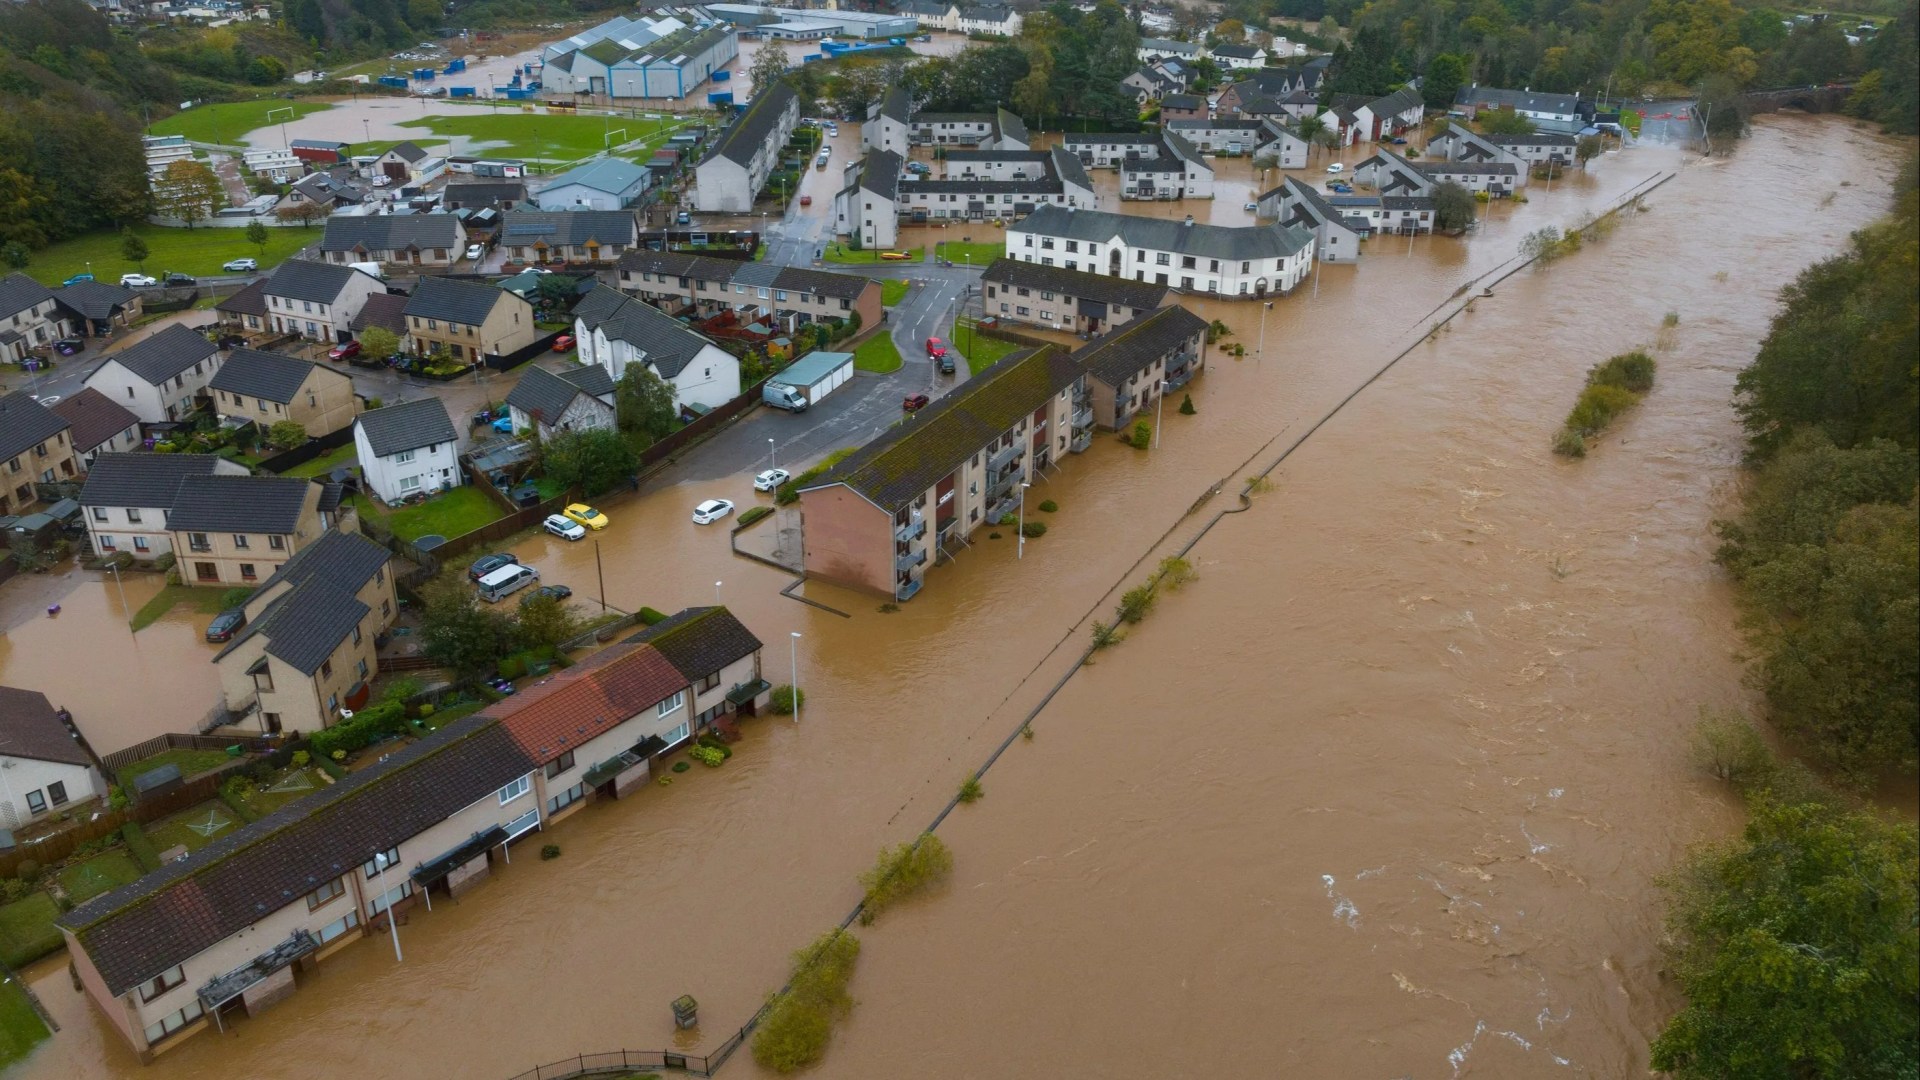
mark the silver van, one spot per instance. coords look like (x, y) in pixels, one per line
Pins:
(498, 585)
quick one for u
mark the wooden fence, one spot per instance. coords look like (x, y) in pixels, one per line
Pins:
(160, 744)
(58, 846)
(300, 455)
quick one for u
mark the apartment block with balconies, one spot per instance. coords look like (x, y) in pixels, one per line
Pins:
(1130, 369)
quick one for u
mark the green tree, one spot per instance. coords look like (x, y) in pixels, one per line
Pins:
(1310, 129)
(287, 434)
(594, 459)
(1446, 74)
(459, 632)
(257, 235)
(133, 249)
(643, 406)
(1718, 99)
(544, 622)
(555, 291)
(1453, 206)
(767, 68)
(1587, 148)
(1505, 122)
(378, 343)
(188, 192)
(1796, 949)
(16, 254)
(1231, 31)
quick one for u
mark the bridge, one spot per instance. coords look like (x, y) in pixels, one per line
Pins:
(1814, 99)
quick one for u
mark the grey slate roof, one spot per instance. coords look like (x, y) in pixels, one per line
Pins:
(305, 626)
(1529, 101)
(238, 504)
(1399, 101)
(165, 354)
(450, 300)
(25, 424)
(1109, 138)
(95, 418)
(304, 279)
(1036, 186)
(1467, 168)
(1160, 234)
(485, 192)
(408, 425)
(1538, 138)
(341, 559)
(569, 228)
(388, 232)
(408, 152)
(93, 299)
(384, 310)
(268, 375)
(1123, 292)
(740, 141)
(823, 282)
(1011, 126)
(880, 173)
(1068, 167)
(547, 394)
(995, 155)
(1237, 52)
(897, 104)
(18, 292)
(699, 641)
(1183, 102)
(668, 346)
(250, 300)
(1117, 356)
(141, 479)
(30, 728)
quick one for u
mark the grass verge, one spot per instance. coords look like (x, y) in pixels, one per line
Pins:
(450, 513)
(980, 352)
(183, 251)
(227, 122)
(878, 354)
(965, 254)
(21, 1029)
(205, 601)
(892, 291)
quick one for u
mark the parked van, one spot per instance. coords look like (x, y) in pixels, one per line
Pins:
(503, 582)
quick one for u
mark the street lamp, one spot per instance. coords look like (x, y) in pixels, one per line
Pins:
(773, 454)
(716, 594)
(381, 862)
(1020, 549)
(1159, 411)
(1260, 351)
(793, 647)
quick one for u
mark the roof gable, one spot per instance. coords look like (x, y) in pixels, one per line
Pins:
(215, 502)
(30, 727)
(95, 418)
(407, 425)
(164, 355)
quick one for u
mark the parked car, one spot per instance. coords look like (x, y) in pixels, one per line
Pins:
(136, 281)
(563, 343)
(916, 402)
(771, 479)
(226, 624)
(560, 526)
(588, 516)
(503, 424)
(684, 218)
(77, 279)
(181, 280)
(382, 180)
(1339, 188)
(711, 511)
(935, 346)
(238, 266)
(68, 346)
(475, 251)
(806, 200)
(487, 564)
(946, 361)
(345, 351)
(558, 592)
(919, 168)
(1336, 167)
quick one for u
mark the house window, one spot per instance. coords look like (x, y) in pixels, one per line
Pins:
(247, 571)
(339, 926)
(708, 683)
(386, 608)
(371, 867)
(325, 894)
(403, 457)
(677, 735)
(139, 543)
(566, 798)
(326, 669)
(392, 896)
(57, 792)
(668, 706)
(36, 802)
(106, 542)
(174, 1021)
(240, 541)
(363, 668)
(199, 542)
(356, 635)
(277, 543)
(560, 764)
(520, 786)
(162, 983)
(99, 513)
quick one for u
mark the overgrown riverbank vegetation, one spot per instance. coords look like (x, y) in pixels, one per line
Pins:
(795, 1032)
(1613, 387)
(903, 871)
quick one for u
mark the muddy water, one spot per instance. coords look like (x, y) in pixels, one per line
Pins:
(1432, 650)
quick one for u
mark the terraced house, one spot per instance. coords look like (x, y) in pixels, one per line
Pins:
(394, 240)
(318, 301)
(569, 236)
(268, 388)
(615, 330)
(127, 497)
(238, 530)
(1130, 369)
(1055, 298)
(100, 426)
(1230, 262)
(914, 495)
(29, 317)
(162, 378)
(467, 321)
(36, 447)
(744, 155)
(792, 296)
(235, 927)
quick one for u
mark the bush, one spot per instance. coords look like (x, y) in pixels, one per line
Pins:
(1033, 530)
(286, 435)
(1142, 435)
(754, 514)
(1105, 634)
(902, 871)
(1049, 506)
(706, 755)
(139, 846)
(970, 790)
(1135, 603)
(374, 722)
(785, 699)
(681, 766)
(800, 1021)
(233, 598)
(28, 871)
(1175, 572)
(12, 889)
(1630, 371)
(301, 758)
(550, 851)
(1597, 406)
(1569, 443)
(1186, 405)
(1730, 748)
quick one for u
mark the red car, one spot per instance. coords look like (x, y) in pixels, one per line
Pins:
(344, 352)
(935, 346)
(563, 343)
(915, 402)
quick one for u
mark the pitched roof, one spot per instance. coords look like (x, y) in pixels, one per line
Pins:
(679, 264)
(305, 625)
(95, 418)
(917, 453)
(407, 425)
(1183, 101)
(744, 138)
(569, 228)
(700, 641)
(897, 105)
(488, 192)
(1139, 295)
(1537, 138)
(1399, 101)
(823, 282)
(452, 300)
(93, 299)
(305, 279)
(341, 559)
(1116, 356)
(663, 341)
(25, 423)
(409, 152)
(1010, 126)
(123, 479)
(385, 310)
(18, 292)
(1160, 234)
(238, 504)
(269, 375)
(1237, 52)
(250, 300)
(880, 173)
(31, 728)
(1164, 47)
(1069, 168)
(1519, 100)
(389, 232)
(588, 699)
(165, 354)
(611, 175)
(546, 394)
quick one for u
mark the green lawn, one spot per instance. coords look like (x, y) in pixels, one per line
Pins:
(195, 827)
(892, 291)
(968, 254)
(84, 881)
(980, 352)
(325, 462)
(845, 256)
(184, 251)
(226, 123)
(549, 137)
(191, 762)
(449, 514)
(283, 788)
(207, 601)
(877, 354)
(27, 932)
(20, 1027)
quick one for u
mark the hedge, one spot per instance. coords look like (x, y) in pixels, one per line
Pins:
(373, 722)
(139, 846)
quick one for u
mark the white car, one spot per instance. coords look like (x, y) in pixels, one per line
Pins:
(564, 527)
(382, 180)
(474, 251)
(711, 511)
(771, 479)
(1251, 206)
(241, 265)
(136, 281)
(1335, 169)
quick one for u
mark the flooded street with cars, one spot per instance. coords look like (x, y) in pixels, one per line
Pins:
(1383, 791)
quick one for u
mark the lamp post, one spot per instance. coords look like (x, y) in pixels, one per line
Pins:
(716, 594)
(381, 862)
(1260, 350)
(115, 567)
(773, 454)
(1159, 410)
(1020, 549)
(793, 648)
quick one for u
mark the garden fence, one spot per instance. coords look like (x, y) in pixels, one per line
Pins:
(300, 455)
(57, 846)
(160, 744)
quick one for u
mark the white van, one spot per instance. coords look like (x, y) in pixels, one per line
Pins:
(503, 582)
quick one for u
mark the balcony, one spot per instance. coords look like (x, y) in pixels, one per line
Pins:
(1176, 378)
(1001, 508)
(1082, 416)
(747, 691)
(610, 768)
(226, 987)
(905, 590)
(906, 534)
(1000, 458)
(904, 563)
(1081, 441)
(1002, 484)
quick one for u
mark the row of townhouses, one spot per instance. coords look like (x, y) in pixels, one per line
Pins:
(1245, 262)
(33, 316)
(978, 185)
(737, 166)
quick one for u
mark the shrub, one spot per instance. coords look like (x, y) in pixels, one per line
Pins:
(1050, 506)
(233, 598)
(681, 766)
(1569, 443)
(370, 724)
(139, 846)
(902, 871)
(784, 699)
(12, 889)
(1135, 603)
(1142, 435)
(1033, 530)
(550, 851)
(338, 755)
(970, 789)
(1186, 405)
(117, 797)
(1630, 371)
(1105, 634)
(800, 1020)
(1672, 319)
(754, 514)
(301, 758)
(706, 755)
(28, 871)
(1597, 406)
(1726, 745)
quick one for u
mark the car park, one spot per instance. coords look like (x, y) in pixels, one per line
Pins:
(563, 343)
(587, 515)
(226, 624)
(487, 564)
(564, 528)
(711, 511)
(136, 281)
(557, 592)
(345, 351)
(916, 402)
(771, 479)
(240, 265)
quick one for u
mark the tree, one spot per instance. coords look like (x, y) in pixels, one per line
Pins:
(643, 406)
(257, 235)
(555, 291)
(1795, 947)
(769, 64)
(378, 343)
(593, 460)
(459, 632)
(544, 622)
(287, 434)
(133, 249)
(1446, 74)
(1587, 148)
(1718, 99)
(1231, 31)
(1310, 128)
(1505, 122)
(302, 213)
(1453, 207)
(16, 254)
(188, 192)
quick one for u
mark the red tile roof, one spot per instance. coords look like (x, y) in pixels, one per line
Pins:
(588, 699)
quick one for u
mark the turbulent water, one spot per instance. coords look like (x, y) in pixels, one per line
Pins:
(1382, 793)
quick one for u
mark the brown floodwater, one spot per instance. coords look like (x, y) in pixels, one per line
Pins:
(1382, 792)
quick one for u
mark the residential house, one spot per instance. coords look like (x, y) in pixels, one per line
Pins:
(127, 496)
(1279, 145)
(1540, 148)
(237, 530)
(577, 236)
(1460, 144)
(1372, 118)
(1055, 298)
(317, 300)
(1238, 57)
(307, 650)
(30, 317)
(269, 388)
(44, 766)
(1172, 170)
(407, 449)
(999, 130)
(100, 425)
(468, 320)
(794, 296)
(932, 14)
(866, 209)
(484, 194)
(1246, 262)
(1175, 108)
(1106, 150)
(1496, 178)
(94, 308)
(325, 191)
(1130, 368)
(1390, 174)
(742, 158)
(614, 330)
(394, 239)
(605, 184)
(995, 19)
(1040, 178)
(1296, 203)
(888, 121)
(36, 447)
(1554, 112)
(1159, 48)
(1149, 83)
(918, 490)
(717, 657)
(577, 398)
(402, 164)
(247, 308)
(1232, 138)
(161, 378)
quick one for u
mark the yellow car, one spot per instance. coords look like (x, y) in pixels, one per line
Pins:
(587, 515)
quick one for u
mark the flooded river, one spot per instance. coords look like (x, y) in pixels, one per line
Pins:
(1381, 793)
